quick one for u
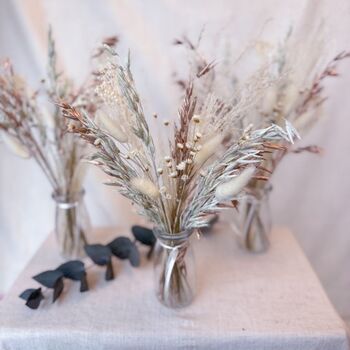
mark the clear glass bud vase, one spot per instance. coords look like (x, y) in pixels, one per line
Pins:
(174, 268)
(72, 224)
(252, 221)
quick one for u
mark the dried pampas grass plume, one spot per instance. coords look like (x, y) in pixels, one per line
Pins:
(15, 146)
(146, 187)
(230, 189)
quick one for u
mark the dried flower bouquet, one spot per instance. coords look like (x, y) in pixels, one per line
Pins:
(31, 125)
(291, 83)
(207, 164)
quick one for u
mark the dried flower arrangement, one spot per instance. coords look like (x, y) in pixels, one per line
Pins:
(31, 125)
(290, 80)
(207, 163)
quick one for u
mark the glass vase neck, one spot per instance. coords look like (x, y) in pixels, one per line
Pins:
(68, 200)
(173, 239)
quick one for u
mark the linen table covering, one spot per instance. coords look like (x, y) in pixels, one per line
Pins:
(268, 301)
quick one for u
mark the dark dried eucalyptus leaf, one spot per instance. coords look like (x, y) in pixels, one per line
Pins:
(144, 235)
(84, 287)
(73, 270)
(33, 297)
(134, 255)
(48, 278)
(57, 289)
(120, 247)
(98, 253)
(109, 272)
(27, 293)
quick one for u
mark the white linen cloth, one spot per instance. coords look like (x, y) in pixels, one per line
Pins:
(271, 301)
(311, 193)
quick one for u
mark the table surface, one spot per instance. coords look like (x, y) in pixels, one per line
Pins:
(244, 301)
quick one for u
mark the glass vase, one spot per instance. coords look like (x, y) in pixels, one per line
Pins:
(174, 268)
(72, 224)
(252, 221)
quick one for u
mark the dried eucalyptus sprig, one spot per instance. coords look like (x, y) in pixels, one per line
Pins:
(174, 189)
(100, 254)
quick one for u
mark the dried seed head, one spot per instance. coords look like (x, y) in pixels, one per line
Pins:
(173, 174)
(97, 142)
(209, 149)
(228, 190)
(180, 145)
(166, 122)
(160, 171)
(181, 166)
(145, 186)
(196, 118)
(167, 159)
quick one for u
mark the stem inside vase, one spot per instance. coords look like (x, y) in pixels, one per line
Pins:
(174, 269)
(71, 224)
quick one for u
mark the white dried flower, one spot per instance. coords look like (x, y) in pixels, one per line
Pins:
(181, 166)
(167, 159)
(160, 171)
(230, 189)
(188, 145)
(109, 126)
(173, 174)
(198, 135)
(15, 145)
(180, 145)
(208, 149)
(184, 177)
(196, 118)
(166, 122)
(189, 161)
(145, 186)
